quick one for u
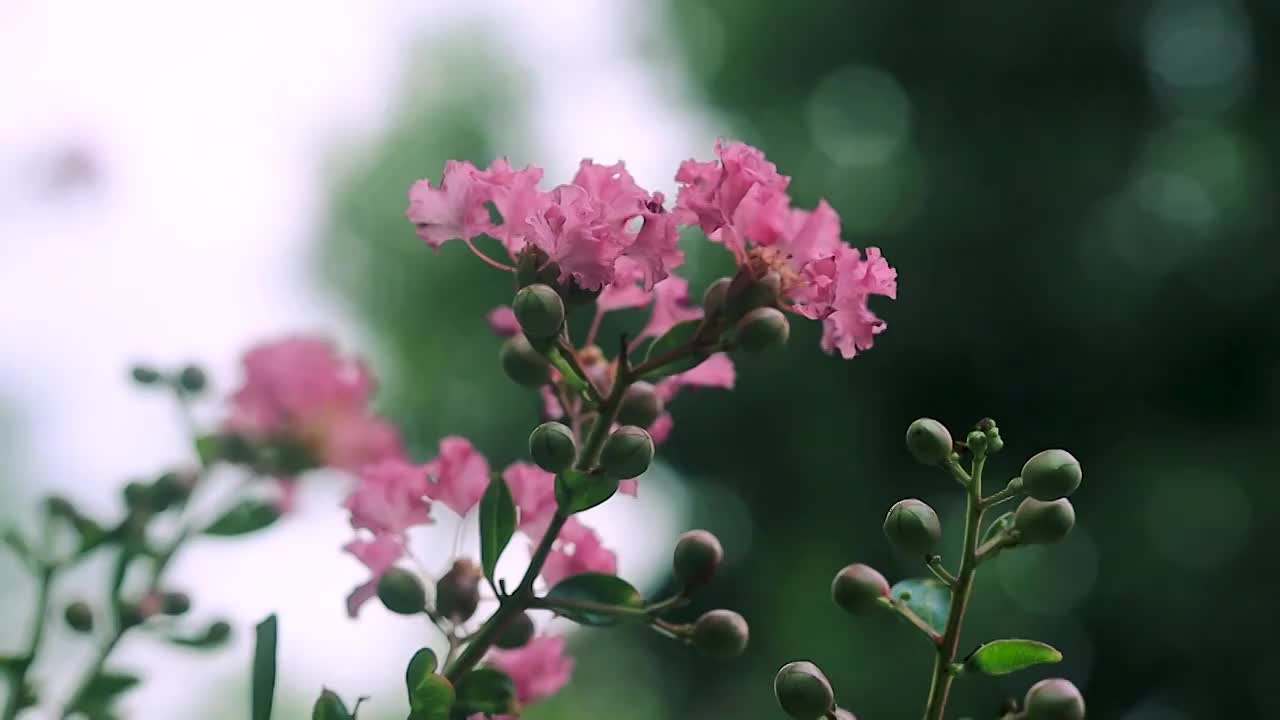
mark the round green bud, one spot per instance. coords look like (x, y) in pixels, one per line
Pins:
(175, 603)
(803, 691)
(913, 527)
(1041, 523)
(401, 592)
(539, 309)
(713, 298)
(1051, 474)
(858, 589)
(1053, 699)
(458, 591)
(79, 616)
(218, 632)
(764, 328)
(517, 633)
(696, 558)
(641, 405)
(720, 634)
(131, 615)
(524, 365)
(192, 379)
(994, 444)
(747, 292)
(553, 446)
(145, 374)
(627, 453)
(976, 441)
(842, 714)
(929, 441)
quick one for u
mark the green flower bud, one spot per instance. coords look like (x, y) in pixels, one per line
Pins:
(1051, 474)
(912, 527)
(1054, 699)
(976, 441)
(747, 292)
(540, 310)
(131, 615)
(858, 589)
(401, 592)
(517, 633)
(994, 444)
(533, 267)
(145, 374)
(929, 441)
(762, 329)
(714, 297)
(627, 453)
(640, 406)
(721, 634)
(175, 603)
(458, 592)
(697, 556)
(218, 632)
(1041, 523)
(524, 365)
(553, 446)
(137, 496)
(79, 616)
(803, 691)
(192, 379)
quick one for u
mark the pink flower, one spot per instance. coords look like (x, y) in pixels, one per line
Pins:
(577, 550)
(388, 499)
(300, 390)
(613, 189)
(670, 307)
(577, 233)
(502, 321)
(534, 492)
(847, 280)
(538, 670)
(378, 554)
(743, 192)
(655, 247)
(459, 475)
(551, 408)
(625, 290)
(515, 195)
(454, 210)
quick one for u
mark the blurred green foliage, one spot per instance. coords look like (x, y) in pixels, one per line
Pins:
(1080, 199)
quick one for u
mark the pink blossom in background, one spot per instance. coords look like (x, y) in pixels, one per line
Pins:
(502, 321)
(388, 499)
(577, 550)
(458, 475)
(378, 554)
(625, 291)
(551, 408)
(714, 372)
(538, 670)
(534, 492)
(670, 307)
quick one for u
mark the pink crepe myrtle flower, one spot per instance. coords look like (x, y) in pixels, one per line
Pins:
(670, 307)
(577, 550)
(459, 475)
(534, 492)
(454, 209)
(301, 390)
(740, 191)
(537, 670)
(389, 498)
(502, 321)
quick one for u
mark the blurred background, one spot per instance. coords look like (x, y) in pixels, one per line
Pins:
(1079, 197)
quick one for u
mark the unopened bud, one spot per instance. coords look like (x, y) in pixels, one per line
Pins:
(976, 441)
(697, 556)
(517, 633)
(764, 328)
(144, 374)
(539, 310)
(1051, 474)
(913, 527)
(929, 441)
(627, 453)
(132, 614)
(524, 365)
(458, 592)
(994, 444)
(858, 589)
(175, 603)
(713, 298)
(1053, 699)
(401, 592)
(720, 634)
(803, 691)
(192, 379)
(747, 292)
(641, 405)
(1041, 523)
(79, 616)
(553, 446)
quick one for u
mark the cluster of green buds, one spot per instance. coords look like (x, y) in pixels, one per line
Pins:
(935, 606)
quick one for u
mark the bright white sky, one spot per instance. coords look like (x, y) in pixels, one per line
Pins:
(207, 125)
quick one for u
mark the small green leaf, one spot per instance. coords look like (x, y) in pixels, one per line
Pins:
(213, 636)
(210, 448)
(486, 690)
(101, 692)
(1001, 657)
(497, 523)
(264, 668)
(596, 589)
(247, 516)
(566, 368)
(577, 490)
(330, 707)
(430, 695)
(17, 544)
(929, 599)
(1002, 523)
(678, 336)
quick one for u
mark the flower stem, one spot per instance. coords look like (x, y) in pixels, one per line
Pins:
(940, 687)
(18, 672)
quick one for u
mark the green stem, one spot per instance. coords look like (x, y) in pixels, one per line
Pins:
(1011, 491)
(940, 687)
(906, 613)
(18, 675)
(557, 604)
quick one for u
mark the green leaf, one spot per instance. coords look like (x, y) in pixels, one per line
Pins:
(567, 370)
(929, 599)
(213, 636)
(577, 490)
(1002, 523)
(497, 523)
(678, 336)
(210, 448)
(102, 691)
(430, 695)
(1001, 657)
(330, 707)
(486, 690)
(596, 589)
(247, 516)
(264, 668)
(17, 544)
